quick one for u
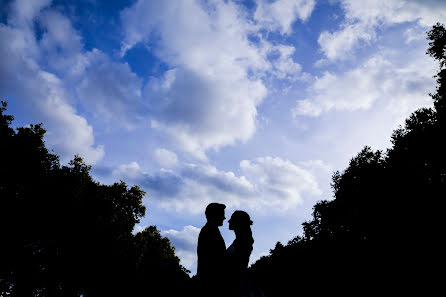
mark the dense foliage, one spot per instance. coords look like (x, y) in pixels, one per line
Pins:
(382, 228)
(63, 234)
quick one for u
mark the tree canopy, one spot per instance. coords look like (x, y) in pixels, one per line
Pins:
(383, 223)
(63, 234)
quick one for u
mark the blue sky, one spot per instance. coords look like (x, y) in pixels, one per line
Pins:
(249, 103)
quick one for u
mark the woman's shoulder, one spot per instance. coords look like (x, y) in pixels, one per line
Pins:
(231, 250)
(239, 248)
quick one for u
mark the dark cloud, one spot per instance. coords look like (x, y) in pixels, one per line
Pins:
(164, 185)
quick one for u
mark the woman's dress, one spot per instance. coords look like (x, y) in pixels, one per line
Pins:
(238, 254)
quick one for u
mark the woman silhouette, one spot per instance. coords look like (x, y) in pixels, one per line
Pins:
(238, 256)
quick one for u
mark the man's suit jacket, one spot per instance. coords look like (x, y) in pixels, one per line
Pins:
(211, 252)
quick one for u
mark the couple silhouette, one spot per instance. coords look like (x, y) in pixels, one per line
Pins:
(221, 271)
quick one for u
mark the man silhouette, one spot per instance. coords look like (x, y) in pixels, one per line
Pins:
(211, 251)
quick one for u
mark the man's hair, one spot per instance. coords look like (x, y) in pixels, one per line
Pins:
(213, 209)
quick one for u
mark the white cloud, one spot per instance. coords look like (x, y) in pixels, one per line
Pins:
(355, 89)
(107, 89)
(201, 112)
(56, 71)
(198, 185)
(281, 14)
(425, 13)
(268, 183)
(111, 91)
(362, 18)
(317, 166)
(68, 133)
(415, 34)
(185, 243)
(338, 44)
(209, 97)
(138, 228)
(165, 158)
(402, 88)
(188, 236)
(280, 183)
(44, 95)
(130, 171)
(284, 66)
(23, 12)
(61, 45)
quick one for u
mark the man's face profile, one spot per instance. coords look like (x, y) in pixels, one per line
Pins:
(220, 217)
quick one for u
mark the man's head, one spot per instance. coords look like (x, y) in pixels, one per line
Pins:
(215, 213)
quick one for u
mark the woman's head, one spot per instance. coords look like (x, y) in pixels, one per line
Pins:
(239, 220)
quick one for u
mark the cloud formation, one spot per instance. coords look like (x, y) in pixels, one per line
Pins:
(165, 158)
(281, 14)
(201, 112)
(42, 93)
(403, 88)
(111, 91)
(362, 18)
(185, 243)
(280, 183)
(51, 72)
(209, 96)
(267, 183)
(61, 45)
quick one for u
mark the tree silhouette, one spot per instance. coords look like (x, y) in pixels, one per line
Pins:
(383, 226)
(63, 234)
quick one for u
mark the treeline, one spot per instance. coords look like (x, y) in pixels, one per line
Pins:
(383, 228)
(63, 234)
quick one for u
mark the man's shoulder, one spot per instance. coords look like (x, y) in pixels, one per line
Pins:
(208, 227)
(208, 230)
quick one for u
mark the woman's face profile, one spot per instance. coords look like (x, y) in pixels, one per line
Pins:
(231, 225)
